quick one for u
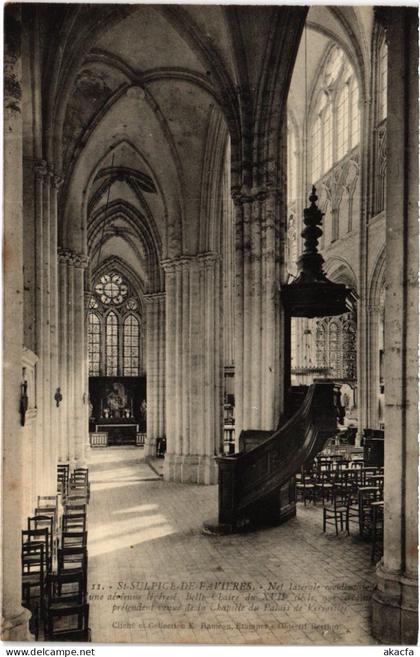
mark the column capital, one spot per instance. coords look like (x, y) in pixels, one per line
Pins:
(190, 261)
(56, 181)
(72, 258)
(40, 169)
(246, 194)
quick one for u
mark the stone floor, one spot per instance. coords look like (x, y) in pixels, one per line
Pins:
(154, 577)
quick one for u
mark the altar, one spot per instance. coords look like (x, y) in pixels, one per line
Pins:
(123, 432)
(117, 411)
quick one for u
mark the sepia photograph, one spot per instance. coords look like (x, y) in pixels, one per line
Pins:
(210, 324)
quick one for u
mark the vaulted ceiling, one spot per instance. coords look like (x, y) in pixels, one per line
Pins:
(140, 102)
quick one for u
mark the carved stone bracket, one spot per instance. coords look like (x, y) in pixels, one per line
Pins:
(73, 258)
(190, 262)
(40, 169)
(248, 194)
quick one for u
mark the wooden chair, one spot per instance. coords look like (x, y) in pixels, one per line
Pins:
(33, 577)
(48, 511)
(73, 522)
(39, 537)
(305, 489)
(75, 507)
(367, 495)
(73, 560)
(323, 486)
(64, 589)
(337, 513)
(44, 522)
(377, 530)
(69, 623)
(73, 539)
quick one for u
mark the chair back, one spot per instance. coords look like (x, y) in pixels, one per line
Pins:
(74, 539)
(69, 623)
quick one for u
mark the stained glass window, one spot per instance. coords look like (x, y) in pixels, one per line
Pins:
(355, 114)
(131, 346)
(111, 289)
(132, 304)
(335, 126)
(343, 122)
(383, 81)
(111, 345)
(328, 151)
(316, 150)
(336, 346)
(114, 323)
(333, 65)
(94, 344)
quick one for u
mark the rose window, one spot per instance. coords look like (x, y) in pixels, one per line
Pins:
(111, 289)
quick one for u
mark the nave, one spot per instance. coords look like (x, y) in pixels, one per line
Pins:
(144, 529)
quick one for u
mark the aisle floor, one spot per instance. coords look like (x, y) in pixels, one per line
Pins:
(155, 577)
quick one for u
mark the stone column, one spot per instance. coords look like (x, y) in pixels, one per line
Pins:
(48, 473)
(41, 483)
(63, 321)
(155, 370)
(259, 356)
(194, 368)
(71, 341)
(395, 599)
(14, 617)
(81, 405)
(55, 183)
(73, 358)
(46, 319)
(372, 367)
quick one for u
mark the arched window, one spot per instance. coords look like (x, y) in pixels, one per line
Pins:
(94, 344)
(316, 150)
(380, 125)
(114, 327)
(355, 114)
(382, 80)
(131, 346)
(343, 122)
(334, 349)
(328, 134)
(292, 161)
(111, 345)
(336, 346)
(335, 114)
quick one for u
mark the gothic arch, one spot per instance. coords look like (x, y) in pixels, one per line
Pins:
(340, 271)
(139, 227)
(117, 264)
(377, 280)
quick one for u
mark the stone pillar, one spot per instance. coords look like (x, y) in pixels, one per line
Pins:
(73, 358)
(194, 368)
(155, 370)
(395, 600)
(259, 356)
(14, 617)
(55, 183)
(46, 320)
(81, 404)
(63, 321)
(71, 341)
(48, 473)
(372, 393)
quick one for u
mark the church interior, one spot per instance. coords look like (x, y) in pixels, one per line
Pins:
(210, 321)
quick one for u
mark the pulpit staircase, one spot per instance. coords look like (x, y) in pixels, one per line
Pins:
(257, 485)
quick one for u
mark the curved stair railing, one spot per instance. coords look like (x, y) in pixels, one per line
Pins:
(258, 485)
